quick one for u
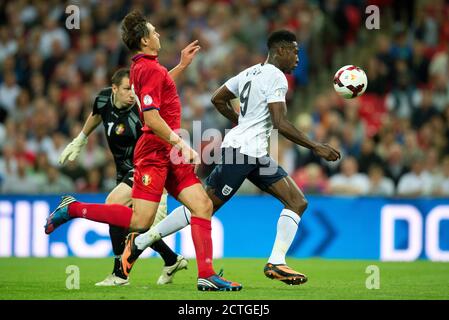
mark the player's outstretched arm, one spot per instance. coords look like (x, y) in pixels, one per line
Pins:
(92, 122)
(280, 122)
(73, 149)
(187, 55)
(221, 99)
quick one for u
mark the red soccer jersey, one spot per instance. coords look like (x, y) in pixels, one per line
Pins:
(155, 89)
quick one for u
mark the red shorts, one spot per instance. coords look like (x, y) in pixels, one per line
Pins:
(155, 170)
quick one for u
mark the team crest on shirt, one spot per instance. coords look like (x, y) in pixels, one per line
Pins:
(226, 190)
(120, 129)
(146, 179)
(147, 100)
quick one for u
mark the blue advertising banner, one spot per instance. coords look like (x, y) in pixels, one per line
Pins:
(332, 227)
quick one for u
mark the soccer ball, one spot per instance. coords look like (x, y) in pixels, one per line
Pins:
(350, 81)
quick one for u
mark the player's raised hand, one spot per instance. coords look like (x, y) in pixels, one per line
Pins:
(188, 53)
(73, 149)
(327, 152)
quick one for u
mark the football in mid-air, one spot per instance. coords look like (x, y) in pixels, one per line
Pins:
(350, 81)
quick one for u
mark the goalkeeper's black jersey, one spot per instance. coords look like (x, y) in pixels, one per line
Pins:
(122, 128)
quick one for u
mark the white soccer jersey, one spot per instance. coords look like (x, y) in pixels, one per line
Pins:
(256, 87)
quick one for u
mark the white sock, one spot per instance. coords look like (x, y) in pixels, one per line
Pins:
(175, 221)
(286, 231)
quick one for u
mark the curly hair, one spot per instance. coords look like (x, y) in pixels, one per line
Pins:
(134, 28)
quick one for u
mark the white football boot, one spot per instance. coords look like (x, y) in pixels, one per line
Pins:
(112, 281)
(169, 272)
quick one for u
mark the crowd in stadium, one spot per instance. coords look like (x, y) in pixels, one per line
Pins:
(394, 139)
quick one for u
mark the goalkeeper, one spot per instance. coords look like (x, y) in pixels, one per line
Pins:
(115, 107)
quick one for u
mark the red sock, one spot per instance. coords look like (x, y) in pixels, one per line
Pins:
(114, 214)
(202, 240)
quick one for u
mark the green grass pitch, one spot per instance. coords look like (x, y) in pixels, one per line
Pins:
(45, 278)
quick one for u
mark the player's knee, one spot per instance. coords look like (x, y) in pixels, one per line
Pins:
(203, 208)
(303, 204)
(207, 207)
(298, 205)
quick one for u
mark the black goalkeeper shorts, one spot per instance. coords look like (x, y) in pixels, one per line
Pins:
(127, 178)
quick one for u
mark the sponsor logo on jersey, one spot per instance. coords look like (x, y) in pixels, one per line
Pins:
(120, 129)
(226, 190)
(146, 179)
(147, 100)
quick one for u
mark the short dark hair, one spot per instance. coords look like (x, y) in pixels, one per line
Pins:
(133, 28)
(118, 76)
(279, 36)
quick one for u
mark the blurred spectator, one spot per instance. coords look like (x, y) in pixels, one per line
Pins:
(74, 171)
(59, 143)
(441, 92)
(379, 184)
(8, 45)
(85, 57)
(440, 63)
(400, 49)
(433, 168)
(53, 33)
(93, 181)
(368, 156)
(443, 189)
(21, 150)
(407, 150)
(8, 161)
(23, 108)
(349, 181)
(420, 64)
(311, 179)
(426, 27)
(350, 143)
(92, 156)
(20, 182)
(400, 99)
(40, 168)
(9, 91)
(417, 182)
(383, 54)
(425, 110)
(395, 166)
(56, 182)
(377, 73)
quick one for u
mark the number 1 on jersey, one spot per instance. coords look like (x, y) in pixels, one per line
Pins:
(244, 97)
(110, 125)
